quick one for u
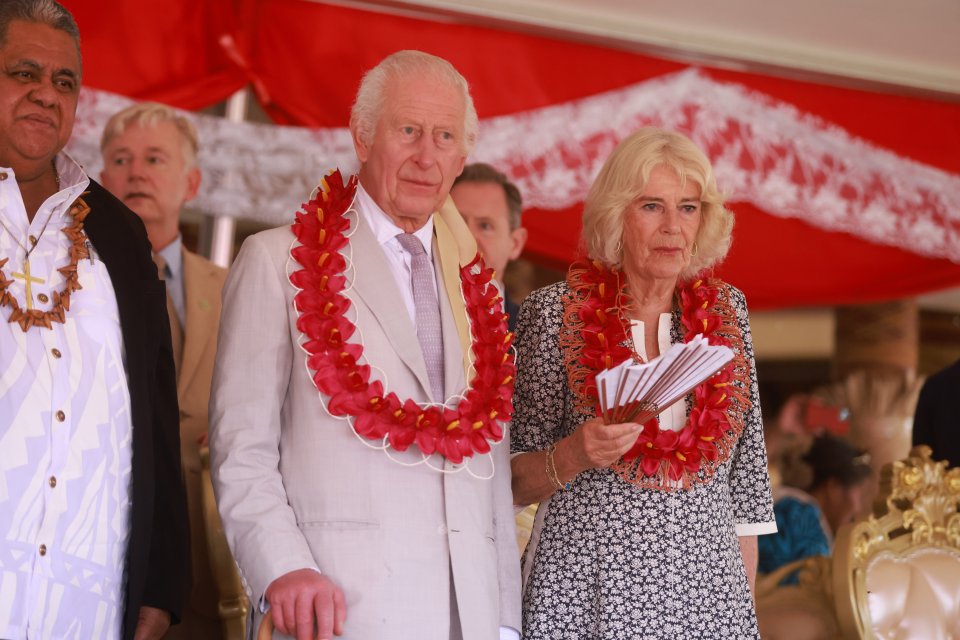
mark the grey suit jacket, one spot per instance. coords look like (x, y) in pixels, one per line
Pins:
(297, 488)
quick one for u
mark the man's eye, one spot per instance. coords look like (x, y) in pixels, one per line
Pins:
(445, 138)
(66, 85)
(408, 131)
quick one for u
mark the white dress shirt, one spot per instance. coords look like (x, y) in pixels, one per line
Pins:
(173, 255)
(65, 435)
(398, 258)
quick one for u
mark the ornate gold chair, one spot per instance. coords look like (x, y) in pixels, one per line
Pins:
(232, 602)
(896, 574)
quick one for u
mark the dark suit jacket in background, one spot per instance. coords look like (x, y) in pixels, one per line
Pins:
(513, 310)
(937, 420)
(157, 555)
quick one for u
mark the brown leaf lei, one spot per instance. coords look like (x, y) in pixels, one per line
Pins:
(28, 318)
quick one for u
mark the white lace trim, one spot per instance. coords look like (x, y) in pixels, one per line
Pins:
(766, 152)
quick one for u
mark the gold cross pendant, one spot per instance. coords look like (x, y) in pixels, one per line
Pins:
(26, 277)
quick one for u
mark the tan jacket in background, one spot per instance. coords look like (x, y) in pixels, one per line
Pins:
(202, 284)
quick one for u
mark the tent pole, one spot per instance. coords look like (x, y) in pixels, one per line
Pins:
(224, 227)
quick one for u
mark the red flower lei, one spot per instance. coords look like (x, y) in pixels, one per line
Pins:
(596, 337)
(455, 433)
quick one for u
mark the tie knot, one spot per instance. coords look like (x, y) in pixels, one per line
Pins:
(410, 243)
(161, 263)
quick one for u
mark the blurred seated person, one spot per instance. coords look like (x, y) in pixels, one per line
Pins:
(937, 420)
(491, 206)
(824, 484)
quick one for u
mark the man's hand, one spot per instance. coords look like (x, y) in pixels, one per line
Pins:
(304, 600)
(151, 624)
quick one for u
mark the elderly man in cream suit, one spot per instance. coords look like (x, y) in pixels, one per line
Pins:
(336, 534)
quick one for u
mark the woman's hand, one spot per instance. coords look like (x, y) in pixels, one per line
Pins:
(598, 445)
(592, 445)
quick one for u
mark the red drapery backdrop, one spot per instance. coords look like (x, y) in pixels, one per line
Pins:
(305, 59)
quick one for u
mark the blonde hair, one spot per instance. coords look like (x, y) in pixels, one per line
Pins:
(624, 176)
(150, 114)
(368, 105)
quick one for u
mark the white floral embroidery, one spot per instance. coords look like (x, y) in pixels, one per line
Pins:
(766, 152)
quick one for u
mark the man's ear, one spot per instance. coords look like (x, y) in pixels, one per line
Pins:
(361, 148)
(193, 183)
(519, 237)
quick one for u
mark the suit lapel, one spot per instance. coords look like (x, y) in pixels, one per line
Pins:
(201, 318)
(374, 285)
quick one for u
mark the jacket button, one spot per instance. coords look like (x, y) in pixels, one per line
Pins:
(61, 416)
(43, 549)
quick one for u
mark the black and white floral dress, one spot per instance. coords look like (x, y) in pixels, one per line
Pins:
(611, 561)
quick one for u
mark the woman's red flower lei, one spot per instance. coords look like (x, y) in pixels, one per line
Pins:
(455, 433)
(596, 337)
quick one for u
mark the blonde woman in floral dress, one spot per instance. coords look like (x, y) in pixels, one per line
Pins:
(643, 531)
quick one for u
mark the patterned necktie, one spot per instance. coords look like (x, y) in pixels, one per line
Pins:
(429, 332)
(176, 331)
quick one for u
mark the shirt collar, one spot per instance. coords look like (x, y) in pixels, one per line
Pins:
(173, 254)
(73, 180)
(384, 228)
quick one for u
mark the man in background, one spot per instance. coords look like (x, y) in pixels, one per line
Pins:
(93, 530)
(492, 206)
(150, 163)
(937, 420)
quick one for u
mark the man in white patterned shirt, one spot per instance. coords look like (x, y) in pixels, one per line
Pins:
(92, 515)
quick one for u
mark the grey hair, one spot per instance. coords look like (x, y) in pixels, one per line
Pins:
(48, 12)
(368, 105)
(149, 114)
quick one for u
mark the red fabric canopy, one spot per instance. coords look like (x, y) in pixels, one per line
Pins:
(305, 60)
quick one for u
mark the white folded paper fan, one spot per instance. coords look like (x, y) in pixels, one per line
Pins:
(636, 392)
